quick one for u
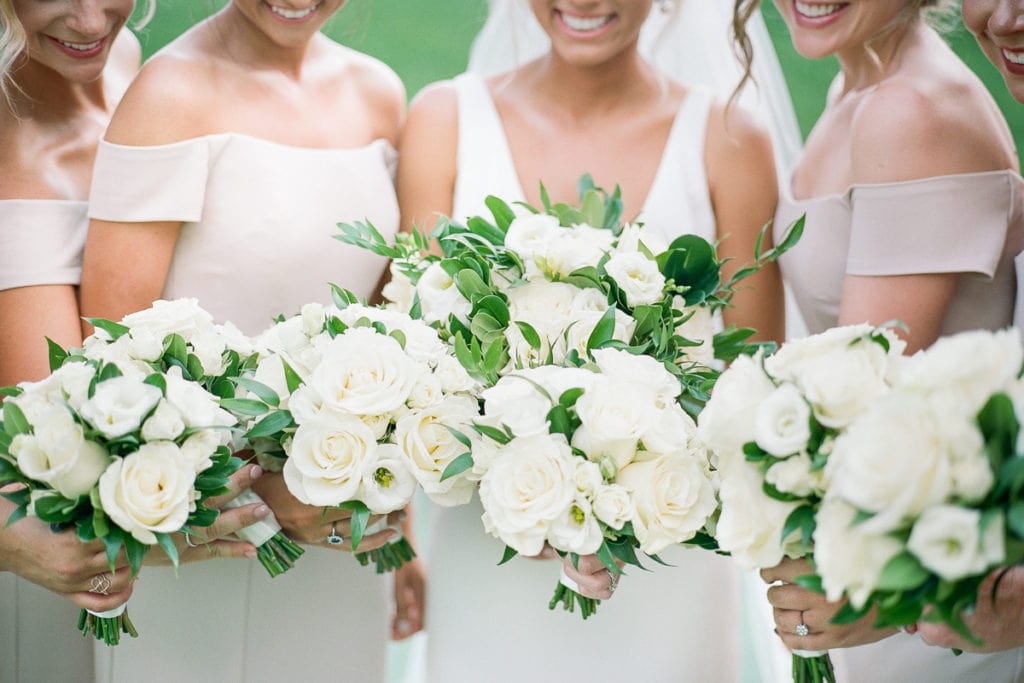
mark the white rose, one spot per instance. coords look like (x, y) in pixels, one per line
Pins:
(623, 365)
(782, 422)
(794, 475)
(613, 505)
(895, 460)
(526, 489)
(515, 402)
(378, 424)
(529, 232)
(235, 340)
(431, 447)
(849, 557)
(365, 373)
(59, 455)
(582, 326)
(387, 483)
(673, 432)
(399, 291)
(616, 410)
(727, 421)
(698, 326)
(180, 316)
(119, 404)
(164, 424)
(144, 345)
(610, 455)
(786, 363)
(638, 277)
(672, 497)
(68, 385)
(576, 530)
(148, 492)
(750, 525)
(841, 384)
(197, 406)
(949, 541)
(440, 298)
(633, 235)
(327, 459)
(426, 392)
(590, 299)
(569, 249)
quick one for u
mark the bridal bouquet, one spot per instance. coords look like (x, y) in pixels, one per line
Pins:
(926, 498)
(118, 452)
(353, 403)
(774, 425)
(597, 459)
(180, 334)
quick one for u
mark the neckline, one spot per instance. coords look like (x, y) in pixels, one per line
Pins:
(673, 133)
(67, 203)
(787, 187)
(270, 143)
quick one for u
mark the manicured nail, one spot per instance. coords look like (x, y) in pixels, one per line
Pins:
(251, 554)
(255, 472)
(261, 511)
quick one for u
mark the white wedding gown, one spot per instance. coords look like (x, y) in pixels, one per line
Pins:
(492, 623)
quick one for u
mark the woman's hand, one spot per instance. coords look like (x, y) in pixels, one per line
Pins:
(62, 563)
(593, 579)
(794, 606)
(410, 599)
(211, 542)
(313, 525)
(998, 624)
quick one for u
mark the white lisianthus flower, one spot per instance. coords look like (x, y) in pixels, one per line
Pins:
(235, 340)
(576, 530)
(544, 305)
(364, 373)
(144, 345)
(440, 298)
(727, 421)
(327, 458)
(611, 455)
(673, 432)
(387, 483)
(148, 492)
(672, 497)
(427, 391)
(399, 291)
(750, 525)
(421, 341)
(378, 424)
(849, 557)
(68, 385)
(698, 325)
(197, 406)
(568, 249)
(590, 299)
(638, 277)
(529, 232)
(198, 449)
(183, 317)
(430, 447)
(164, 424)
(582, 326)
(208, 346)
(59, 455)
(782, 422)
(896, 460)
(588, 477)
(787, 363)
(119, 405)
(613, 505)
(623, 365)
(948, 540)
(794, 475)
(454, 378)
(633, 235)
(972, 477)
(313, 317)
(526, 489)
(515, 402)
(840, 385)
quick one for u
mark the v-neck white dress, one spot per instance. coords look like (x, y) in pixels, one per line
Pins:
(492, 623)
(256, 241)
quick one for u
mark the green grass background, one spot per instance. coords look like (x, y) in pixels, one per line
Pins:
(428, 40)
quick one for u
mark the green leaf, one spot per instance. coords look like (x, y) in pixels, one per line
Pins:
(291, 378)
(592, 208)
(157, 380)
(457, 466)
(493, 434)
(793, 234)
(507, 555)
(569, 397)
(560, 422)
(811, 582)
(495, 306)
(902, 572)
(999, 427)
(471, 284)
(847, 614)
(167, 544)
(624, 551)
(1015, 518)
(801, 519)
(503, 215)
(360, 518)
(265, 393)
(175, 348)
(112, 542)
(55, 353)
(604, 330)
(529, 334)
(115, 330)
(459, 436)
(604, 553)
(135, 552)
(244, 406)
(15, 421)
(271, 424)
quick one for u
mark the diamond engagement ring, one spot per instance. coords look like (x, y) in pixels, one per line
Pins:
(613, 581)
(801, 628)
(334, 538)
(100, 585)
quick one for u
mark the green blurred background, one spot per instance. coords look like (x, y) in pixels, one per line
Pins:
(428, 40)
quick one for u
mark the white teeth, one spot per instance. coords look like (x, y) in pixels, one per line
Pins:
(1014, 57)
(293, 13)
(585, 23)
(815, 11)
(81, 47)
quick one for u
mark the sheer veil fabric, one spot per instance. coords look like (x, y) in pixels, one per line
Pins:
(691, 42)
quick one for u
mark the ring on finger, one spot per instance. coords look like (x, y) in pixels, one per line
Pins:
(189, 543)
(334, 538)
(801, 629)
(613, 581)
(100, 585)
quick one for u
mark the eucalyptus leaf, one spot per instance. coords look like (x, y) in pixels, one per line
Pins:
(271, 424)
(457, 466)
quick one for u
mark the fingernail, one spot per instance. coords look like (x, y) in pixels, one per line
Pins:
(261, 511)
(251, 554)
(402, 515)
(255, 472)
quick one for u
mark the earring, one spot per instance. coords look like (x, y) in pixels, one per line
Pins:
(665, 6)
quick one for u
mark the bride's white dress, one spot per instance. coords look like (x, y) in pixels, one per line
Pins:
(256, 241)
(492, 623)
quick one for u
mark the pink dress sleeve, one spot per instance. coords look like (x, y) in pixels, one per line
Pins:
(41, 242)
(947, 224)
(157, 183)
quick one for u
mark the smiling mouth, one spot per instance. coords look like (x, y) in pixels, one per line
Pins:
(817, 11)
(1014, 56)
(585, 24)
(293, 14)
(80, 47)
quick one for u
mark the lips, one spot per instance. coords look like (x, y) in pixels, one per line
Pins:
(293, 15)
(817, 14)
(78, 50)
(584, 25)
(1013, 60)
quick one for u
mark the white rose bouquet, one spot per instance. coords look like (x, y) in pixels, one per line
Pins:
(181, 334)
(926, 498)
(598, 459)
(354, 404)
(774, 425)
(125, 455)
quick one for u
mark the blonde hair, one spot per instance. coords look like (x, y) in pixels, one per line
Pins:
(12, 43)
(936, 12)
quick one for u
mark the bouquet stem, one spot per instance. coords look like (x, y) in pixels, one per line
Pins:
(812, 667)
(570, 598)
(388, 557)
(275, 551)
(107, 626)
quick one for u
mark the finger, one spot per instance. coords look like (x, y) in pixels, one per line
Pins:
(589, 564)
(787, 570)
(371, 542)
(788, 621)
(237, 482)
(101, 603)
(792, 597)
(231, 520)
(408, 616)
(105, 583)
(222, 548)
(597, 585)
(812, 641)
